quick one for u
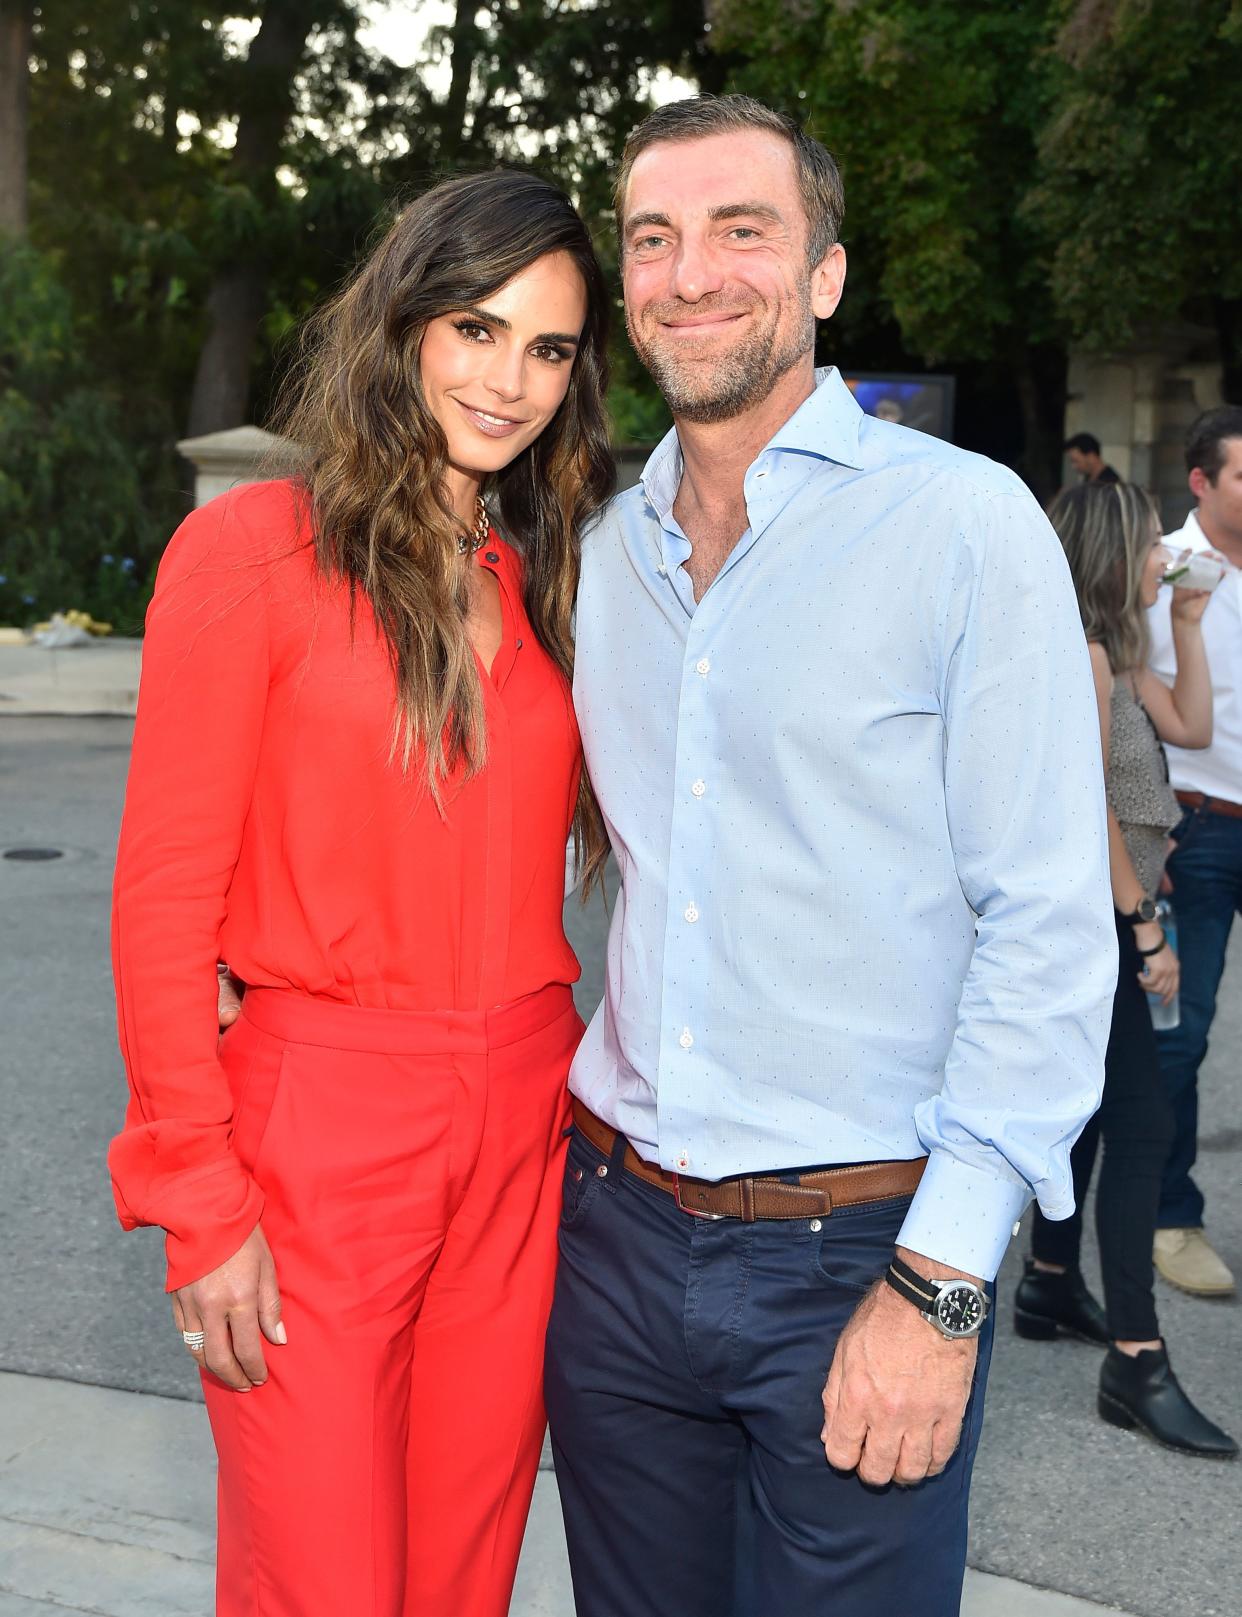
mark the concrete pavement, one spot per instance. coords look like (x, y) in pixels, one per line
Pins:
(101, 677)
(107, 1507)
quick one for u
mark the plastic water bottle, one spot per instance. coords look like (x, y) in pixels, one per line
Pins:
(1165, 1016)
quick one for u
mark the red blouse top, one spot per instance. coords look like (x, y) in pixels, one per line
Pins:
(265, 825)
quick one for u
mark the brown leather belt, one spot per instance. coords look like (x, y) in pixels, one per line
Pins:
(809, 1195)
(1214, 805)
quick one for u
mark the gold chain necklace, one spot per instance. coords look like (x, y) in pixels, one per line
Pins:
(468, 543)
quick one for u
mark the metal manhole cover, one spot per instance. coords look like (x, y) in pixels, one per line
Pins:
(32, 855)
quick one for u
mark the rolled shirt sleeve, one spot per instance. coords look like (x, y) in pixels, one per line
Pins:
(1024, 793)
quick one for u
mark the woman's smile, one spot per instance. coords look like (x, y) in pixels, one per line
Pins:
(495, 426)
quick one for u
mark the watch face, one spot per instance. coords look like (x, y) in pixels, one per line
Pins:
(960, 1310)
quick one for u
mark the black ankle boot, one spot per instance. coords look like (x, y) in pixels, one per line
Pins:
(1047, 1303)
(1142, 1391)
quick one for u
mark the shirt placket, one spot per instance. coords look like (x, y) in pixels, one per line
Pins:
(685, 1035)
(497, 888)
(1234, 695)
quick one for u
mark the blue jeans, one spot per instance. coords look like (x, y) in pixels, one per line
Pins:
(686, 1358)
(1206, 871)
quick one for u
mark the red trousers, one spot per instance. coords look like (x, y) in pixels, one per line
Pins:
(411, 1165)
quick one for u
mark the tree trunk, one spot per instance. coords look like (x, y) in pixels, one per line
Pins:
(713, 68)
(1040, 375)
(221, 394)
(465, 37)
(235, 308)
(1228, 316)
(16, 27)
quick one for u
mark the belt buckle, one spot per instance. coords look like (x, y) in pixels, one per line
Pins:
(694, 1212)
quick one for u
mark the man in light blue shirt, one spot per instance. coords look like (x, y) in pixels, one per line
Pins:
(837, 707)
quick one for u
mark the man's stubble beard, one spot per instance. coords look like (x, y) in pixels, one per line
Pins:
(705, 391)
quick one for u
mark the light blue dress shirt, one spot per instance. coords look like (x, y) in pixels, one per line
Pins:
(856, 798)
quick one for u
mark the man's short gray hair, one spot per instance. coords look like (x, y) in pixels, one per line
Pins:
(819, 179)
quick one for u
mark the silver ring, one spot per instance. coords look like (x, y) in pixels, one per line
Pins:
(194, 1340)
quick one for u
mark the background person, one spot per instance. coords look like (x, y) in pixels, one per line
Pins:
(354, 770)
(1083, 451)
(1206, 865)
(1111, 535)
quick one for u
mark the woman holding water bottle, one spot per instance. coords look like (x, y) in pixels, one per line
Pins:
(1111, 535)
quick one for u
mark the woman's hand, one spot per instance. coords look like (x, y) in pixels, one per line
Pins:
(229, 993)
(1162, 973)
(1188, 606)
(235, 1306)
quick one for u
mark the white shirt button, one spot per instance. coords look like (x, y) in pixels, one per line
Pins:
(698, 788)
(703, 666)
(1017, 1229)
(692, 913)
(686, 1039)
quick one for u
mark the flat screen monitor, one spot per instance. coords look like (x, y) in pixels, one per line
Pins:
(922, 402)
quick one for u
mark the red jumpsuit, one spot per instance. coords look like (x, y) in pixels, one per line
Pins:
(392, 1101)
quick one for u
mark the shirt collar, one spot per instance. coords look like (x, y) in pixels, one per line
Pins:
(1192, 535)
(825, 425)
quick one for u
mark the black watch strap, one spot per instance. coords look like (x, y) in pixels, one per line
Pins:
(911, 1285)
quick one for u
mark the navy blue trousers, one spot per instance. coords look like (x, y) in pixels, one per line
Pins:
(1206, 871)
(686, 1358)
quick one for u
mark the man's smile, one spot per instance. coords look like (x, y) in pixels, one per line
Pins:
(701, 324)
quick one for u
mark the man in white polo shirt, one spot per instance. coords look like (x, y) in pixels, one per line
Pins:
(1206, 869)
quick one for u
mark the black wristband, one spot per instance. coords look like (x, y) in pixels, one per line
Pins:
(911, 1285)
(1146, 954)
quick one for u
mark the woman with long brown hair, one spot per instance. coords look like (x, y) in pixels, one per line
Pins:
(354, 772)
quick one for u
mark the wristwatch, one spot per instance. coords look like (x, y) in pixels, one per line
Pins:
(1144, 911)
(957, 1308)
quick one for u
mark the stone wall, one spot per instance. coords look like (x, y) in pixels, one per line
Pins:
(1139, 405)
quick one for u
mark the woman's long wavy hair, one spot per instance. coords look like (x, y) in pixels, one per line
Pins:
(1108, 530)
(376, 458)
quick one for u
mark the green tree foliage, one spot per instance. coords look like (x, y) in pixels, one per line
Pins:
(1021, 176)
(137, 193)
(135, 208)
(202, 175)
(74, 523)
(1141, 171)
(932, 109)
(120, 207)
(139, 185)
